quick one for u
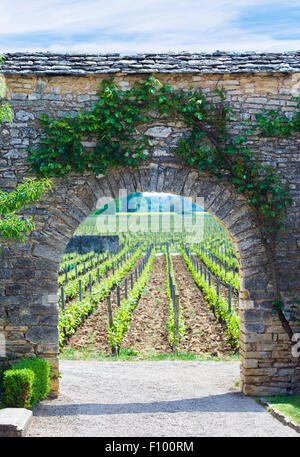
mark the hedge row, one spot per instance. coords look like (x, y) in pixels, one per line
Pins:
(26, 383)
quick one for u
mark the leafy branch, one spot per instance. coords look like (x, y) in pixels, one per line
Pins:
(13, 225)
(275, 123)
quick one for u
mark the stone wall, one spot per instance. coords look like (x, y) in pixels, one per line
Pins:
(42, 63)
(60, 84)
(86, 243)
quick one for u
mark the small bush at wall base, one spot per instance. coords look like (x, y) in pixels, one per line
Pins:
(26, 382)
(3, 367)
(18, 386)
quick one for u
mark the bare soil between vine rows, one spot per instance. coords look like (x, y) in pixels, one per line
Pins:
(148, 330)
(148, 334)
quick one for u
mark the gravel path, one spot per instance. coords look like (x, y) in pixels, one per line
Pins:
(166, 398)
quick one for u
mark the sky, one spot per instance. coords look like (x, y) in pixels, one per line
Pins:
(141, 26)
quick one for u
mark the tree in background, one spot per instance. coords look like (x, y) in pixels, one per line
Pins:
(13, 225)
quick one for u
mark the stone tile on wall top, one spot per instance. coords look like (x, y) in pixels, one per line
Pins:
(177, 62)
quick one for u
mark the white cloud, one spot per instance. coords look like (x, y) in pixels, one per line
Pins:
(134, 25)
(123, 17)
(247, 44)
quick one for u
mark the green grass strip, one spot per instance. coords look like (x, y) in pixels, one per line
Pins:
(288, 406)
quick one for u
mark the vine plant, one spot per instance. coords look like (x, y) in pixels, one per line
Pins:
(118, 121)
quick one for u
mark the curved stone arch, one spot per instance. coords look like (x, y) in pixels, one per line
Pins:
(28, 272)
(30, 303)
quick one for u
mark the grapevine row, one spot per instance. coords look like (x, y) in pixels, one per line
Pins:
(220, 306)
(175, 324)
(227, 277)
(74, 315)
(123, 314)
(72, 288)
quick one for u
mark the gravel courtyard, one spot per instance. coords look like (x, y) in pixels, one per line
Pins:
(140, 399)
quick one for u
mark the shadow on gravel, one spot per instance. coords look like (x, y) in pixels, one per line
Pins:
(229, 402)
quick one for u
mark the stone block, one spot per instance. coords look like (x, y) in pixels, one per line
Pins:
(159, 131)
(250, 363)
(52, 298)
(266, 371)
(21, 315)
(14, 422)
(49, 320)
(83, 98)
(254, 283)
(42, 334)
(24, 116)
(285, 372)
(259, 390)
(259, 355)
(253, 328)
(266, 346)
(47, 349)
(34, 96)
(45, 252)
(18, 96)
(254, 315)
(253, 338)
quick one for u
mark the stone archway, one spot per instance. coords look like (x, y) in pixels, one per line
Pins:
(30, 310)
(58, 84)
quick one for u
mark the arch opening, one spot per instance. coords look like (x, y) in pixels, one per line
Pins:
(193, 255)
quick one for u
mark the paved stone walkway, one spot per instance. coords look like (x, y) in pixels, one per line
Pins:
(138, 399)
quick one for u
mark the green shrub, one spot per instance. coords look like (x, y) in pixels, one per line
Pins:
(14, 383)
(3, 367)
(18, 385)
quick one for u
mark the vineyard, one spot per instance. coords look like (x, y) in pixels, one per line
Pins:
(157, 294)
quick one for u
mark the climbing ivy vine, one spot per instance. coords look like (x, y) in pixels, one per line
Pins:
(274, 122)
(119, 119)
